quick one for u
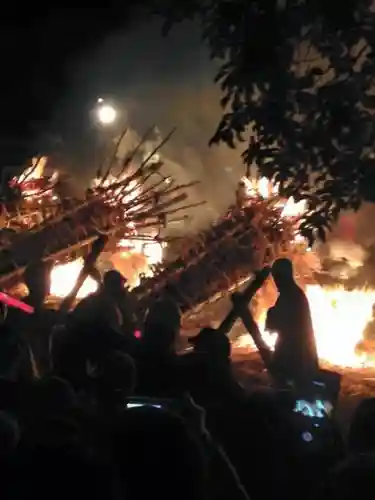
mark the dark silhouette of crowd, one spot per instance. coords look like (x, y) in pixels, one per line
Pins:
(89, 410)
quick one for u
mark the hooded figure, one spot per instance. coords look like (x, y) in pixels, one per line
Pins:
(295, 357)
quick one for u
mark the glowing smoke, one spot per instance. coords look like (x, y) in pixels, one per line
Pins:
(167, 82)
(349, 251)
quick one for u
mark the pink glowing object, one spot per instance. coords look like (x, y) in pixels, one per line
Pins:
(13, 302)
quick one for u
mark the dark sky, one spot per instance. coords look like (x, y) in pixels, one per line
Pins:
(37, 45)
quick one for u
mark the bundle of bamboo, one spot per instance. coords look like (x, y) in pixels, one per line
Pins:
(222, 257)
(126, 206)
(139, 199)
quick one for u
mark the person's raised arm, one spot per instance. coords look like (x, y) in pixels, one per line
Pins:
(252, 328)
(243, 299)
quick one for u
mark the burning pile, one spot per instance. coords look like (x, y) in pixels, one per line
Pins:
(340, 316)
(132, 207)
(262, 227)
(252, 233)
(129, 209)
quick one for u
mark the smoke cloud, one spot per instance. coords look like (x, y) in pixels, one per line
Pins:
(167, 82)
(349, 253)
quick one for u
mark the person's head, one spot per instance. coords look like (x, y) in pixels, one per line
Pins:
(158, 455)
(53, 397)
(212, 342)
(162, 325)
(282, 273)
(361, 437)
(52, 413)
(354, 478)
(114, 282)
(117, 375)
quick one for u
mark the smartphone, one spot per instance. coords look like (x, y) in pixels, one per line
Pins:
(327, 386)
(318, 408)
(147, 402)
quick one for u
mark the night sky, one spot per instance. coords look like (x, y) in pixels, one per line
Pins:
(70, 57)
(37, 46)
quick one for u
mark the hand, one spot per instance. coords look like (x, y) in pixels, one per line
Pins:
(263, 273)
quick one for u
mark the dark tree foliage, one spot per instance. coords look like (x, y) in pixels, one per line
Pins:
(297, 78)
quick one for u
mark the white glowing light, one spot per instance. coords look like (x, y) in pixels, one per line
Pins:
(106, 114)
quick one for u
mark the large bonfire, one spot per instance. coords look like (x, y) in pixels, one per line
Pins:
(130, 209)
(340, 316)
(259, 228)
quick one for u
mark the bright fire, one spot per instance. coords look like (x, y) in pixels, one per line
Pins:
(339, 316)
(135, 258)
(135, 261)
(339, 320)
(64, 277)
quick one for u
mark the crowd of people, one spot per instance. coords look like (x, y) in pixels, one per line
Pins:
(98, 404)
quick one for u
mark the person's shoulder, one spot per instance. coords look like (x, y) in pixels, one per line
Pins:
(303, 297)
(87, 301)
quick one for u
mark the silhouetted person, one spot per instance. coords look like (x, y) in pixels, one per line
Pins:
(110, 305)
(361, 437)
(115, 381)
(16, 359)
(162, 327)
(295, 357)
(37, 278)
(209, 374)
(157, 361)
(155, 451)
(35, 328)
(116, 290)
(78, 351)
(353, 478)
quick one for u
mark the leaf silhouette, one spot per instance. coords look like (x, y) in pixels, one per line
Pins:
(302, 77)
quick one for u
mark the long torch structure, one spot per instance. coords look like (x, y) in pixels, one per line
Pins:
(123, 208)
(251, 234)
